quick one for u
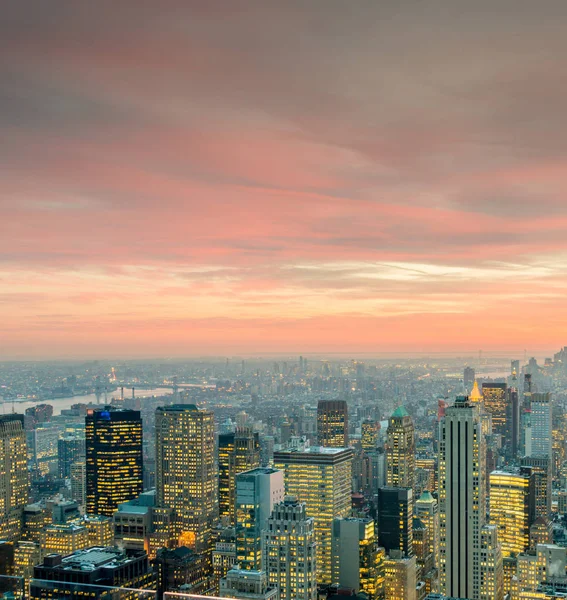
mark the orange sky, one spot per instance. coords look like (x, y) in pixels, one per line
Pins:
(212, 178)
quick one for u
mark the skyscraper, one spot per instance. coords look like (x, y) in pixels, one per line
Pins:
(369, 430)
(399, 577)
(512, 508)
(114, 459)
(257, 491)
(332, 423)
(13, 475)
(541, 425)
(395, 519)
(320, 477)
(468, 378)
(462, 498)
(400, 450)
(495, 397)
(289, 555)
(185, 472)
(427, 511)
(541, 469)
(71, 449)
(238, 452)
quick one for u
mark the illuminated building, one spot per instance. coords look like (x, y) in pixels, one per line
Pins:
(248, 585)
(495, 399)
(475, 397)
(63, 511)
(541, 425)
(395, 519)
(114, 459)
(320, 477)
(289, 554)
(36, 517)
(100, 530)
(26, 556)
(548, 562)
(332, 423)
(257, 491)
(238, 452)
(64, 539)
(541, 468)
(357, 558)
(369, 434)
(399, 577)
(490, 565)
(70, 449)
(427, 511)
(462, 498)
(13, 475)
(181, 569)
(78, 475)
(400, 450)
(541, 532)
(224, 554)
(512, 508)
(421, 549)
(185, 472)
(513, 419)
(76, 576)
(430, 465)
(43, 447)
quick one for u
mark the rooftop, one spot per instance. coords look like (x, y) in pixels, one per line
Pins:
(400, 412)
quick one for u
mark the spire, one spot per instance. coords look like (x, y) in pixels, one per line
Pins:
(475, 395)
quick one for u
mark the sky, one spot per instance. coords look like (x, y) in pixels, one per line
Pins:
(185, 178)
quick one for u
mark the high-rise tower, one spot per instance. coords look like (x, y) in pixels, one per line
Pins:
(185, 472)
(495, 398)
(462, 498)
(321, 478)
(238, 451)
(13, 475)
(114, 458)
(332, 423)
(400, 451)
(541, 419)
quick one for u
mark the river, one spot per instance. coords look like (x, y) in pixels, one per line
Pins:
(62, 403)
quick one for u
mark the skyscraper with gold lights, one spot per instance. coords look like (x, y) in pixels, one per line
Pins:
(332, 423)
(495, 400)
(185, 472)
(13, 475)
(400, 450)
(114, 459)
(321, 478)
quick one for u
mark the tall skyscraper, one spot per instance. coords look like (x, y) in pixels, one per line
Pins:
(399, 577)
(512, 508)
(185, 472)
(370, 430)
(321, 478)
(462, 498)
(114, 459)
(513, 419)
(495, 398)
(238, 452)
(71, 449)
(400, 450)
(357, 558)
(13, 475)
(78, 475)
(395, 519)
(490, 584)
(332, 423)
(541, 469)
(257, 491)
(289, 555)
(541, 425)
(427, 511)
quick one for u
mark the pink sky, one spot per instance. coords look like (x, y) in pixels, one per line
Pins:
(193, 178)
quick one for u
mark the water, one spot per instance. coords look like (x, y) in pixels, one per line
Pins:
(62, 403)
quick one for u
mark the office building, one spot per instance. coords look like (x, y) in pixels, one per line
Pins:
(257, 492)
(395, 519)
(289, 551)
(357, 558)
(248, 585)
(237, 452)
(427, 511)
(42, 446)
(321, 478)
(27, 554)
(185, 472)
(547, 563)
(87, 573)
(114, 459)
(541, 469)
(512, 508)
(495, 399)
(70, 449)
(78, 476)
(490, 565)
(513, 423)
(399, 577)
(400, 450)
(64, 539)
(462, 498)
(370, 431)
(182, 570)
(13, 475)
(541, 425)
(332, 423)
(224, 554)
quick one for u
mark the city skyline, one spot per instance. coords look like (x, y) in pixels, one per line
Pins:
(208, 179)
